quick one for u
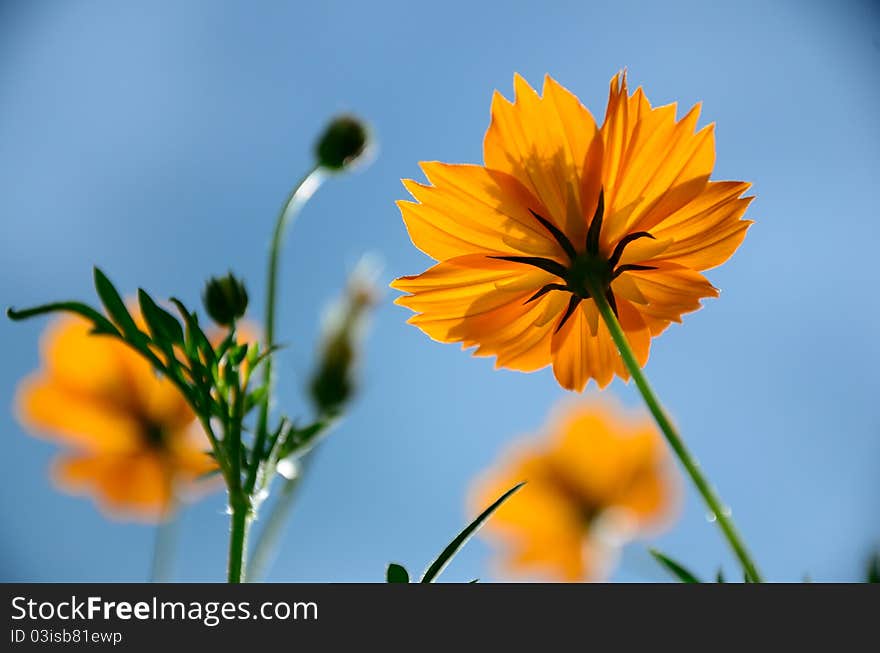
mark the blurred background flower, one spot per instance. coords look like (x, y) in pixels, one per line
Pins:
(131, 439)
(132, 132)
(596, 479)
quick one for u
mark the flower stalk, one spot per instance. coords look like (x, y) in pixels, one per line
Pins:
(713, 501)
(291, 207)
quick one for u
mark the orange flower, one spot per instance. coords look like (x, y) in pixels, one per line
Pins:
(133, 440)
(561, 209)
(596, 479)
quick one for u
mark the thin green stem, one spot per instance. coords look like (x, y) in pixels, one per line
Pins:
(267, 541)
(239, 498)
(716, 506)
(163, 547)
(297, 198)
(238, 535)
(219, 453)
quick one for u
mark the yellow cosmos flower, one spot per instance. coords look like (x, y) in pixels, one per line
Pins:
(595, 479)
(133, 440)
(562, 208)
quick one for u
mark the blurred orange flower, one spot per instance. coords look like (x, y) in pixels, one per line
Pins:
(562, 208)
(596, 479)
(133, 442)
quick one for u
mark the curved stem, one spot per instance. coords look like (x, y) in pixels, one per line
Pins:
(298, 196)
(712, 500)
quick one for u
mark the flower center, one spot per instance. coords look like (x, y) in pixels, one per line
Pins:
(586, 268)
(585, 271)
(153, 434)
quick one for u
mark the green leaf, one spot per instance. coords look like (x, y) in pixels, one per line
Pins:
(101, 324)
(299, 440)
(196, 340)
(475, 580)
(397, 574)
(674, 568)
(719, 577)
(164, 326)
(446, 555)
(237, 354)
(262, 356)
(874, 568)
(255, 398)
(114, 306)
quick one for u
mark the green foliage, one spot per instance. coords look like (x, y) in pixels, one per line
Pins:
(677, 570)
(873, 575)
(397, 574)
(164, 327)
(445, 557)
(209, 378)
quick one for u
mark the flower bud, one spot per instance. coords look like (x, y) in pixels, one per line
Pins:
(334, 382)
(344, 141)
(225, 299)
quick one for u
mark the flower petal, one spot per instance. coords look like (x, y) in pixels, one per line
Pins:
(652, 164)
(481, 301)
(470, 210)
(136, 485)
(545, 142)
(79, 419)
(671, 291)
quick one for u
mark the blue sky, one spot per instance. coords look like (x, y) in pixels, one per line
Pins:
(158, 139)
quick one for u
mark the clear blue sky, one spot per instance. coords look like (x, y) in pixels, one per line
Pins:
(131, 131)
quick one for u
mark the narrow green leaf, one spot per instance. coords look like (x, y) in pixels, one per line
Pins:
(225, 344)
(114, 305)
(164, 326)
(255, 361)
(101, 324)
(300, 440)
(674, 568)
(445, 557)
(255, 398)
(719, 577)
(475, 580)
(196, 340)
(397, 574)
(874, 568)
(237, 354)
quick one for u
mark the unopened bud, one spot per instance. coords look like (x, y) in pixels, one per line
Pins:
(344, 141)
(225, 299)
(334, 382)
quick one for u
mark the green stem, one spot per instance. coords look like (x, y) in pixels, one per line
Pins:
(239, 498)
(267, 541)
(238, 534)
(297, 198)
(163, 548)
(268, 538)
(712, 500)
